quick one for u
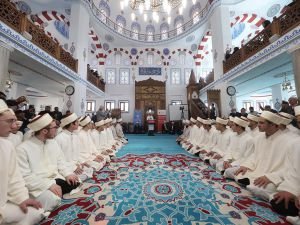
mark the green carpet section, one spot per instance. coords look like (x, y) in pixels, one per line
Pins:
(141, 144)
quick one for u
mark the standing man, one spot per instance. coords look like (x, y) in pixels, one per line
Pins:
(15, 205)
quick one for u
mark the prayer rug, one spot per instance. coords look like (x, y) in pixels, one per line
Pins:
(161, 189)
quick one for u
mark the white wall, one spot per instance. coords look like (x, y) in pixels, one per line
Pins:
(117, 92)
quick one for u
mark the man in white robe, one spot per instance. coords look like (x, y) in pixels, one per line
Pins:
(43, 165)
(222, 143)
(119, 131)
(253, 125)
(286, 125)
(88, 150)
(262, 172)
(110, 138)
(114, 132)
(241, 147)
(198, 135)
(16, 136)
(287, 199)
(70, 145)
(103, 146)
(193, 132)
(15, 205)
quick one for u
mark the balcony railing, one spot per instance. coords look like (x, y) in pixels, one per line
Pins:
(146, 37)
(279, 26)
(18, 21)
(95, 80)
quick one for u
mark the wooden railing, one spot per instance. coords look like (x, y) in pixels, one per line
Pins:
(18, 21)
(95, 80)
(279, 26)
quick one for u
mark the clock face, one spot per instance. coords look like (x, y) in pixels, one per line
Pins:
(70, 90)
(231, 90)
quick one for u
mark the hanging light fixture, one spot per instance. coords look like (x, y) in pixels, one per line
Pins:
(154, 7)
(286, 84)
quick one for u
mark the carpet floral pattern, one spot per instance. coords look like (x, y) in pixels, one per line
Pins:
(161, 189)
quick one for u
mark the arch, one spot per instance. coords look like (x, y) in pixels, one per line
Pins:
(179, 50)
(103, 5)
(178, 19)
(251, 19)
(201, 49)
(158, 52)
(122, 50)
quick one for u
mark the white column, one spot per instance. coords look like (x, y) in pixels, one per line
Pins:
(276, 96)
(79, 30)
(5, 51)
(221, 37)
(296, 68)
(227, 102)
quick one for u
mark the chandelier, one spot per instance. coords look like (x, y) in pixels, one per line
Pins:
(286, 84)
(154, 7)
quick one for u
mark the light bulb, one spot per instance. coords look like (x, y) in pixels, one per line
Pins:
(122, 5)
(194, 1)
(141, 8)
(132, 16)
(145, 17)
(169, 19)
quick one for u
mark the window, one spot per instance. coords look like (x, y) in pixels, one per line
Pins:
(124, 76)
(179, 28)
(135, 34)
(120, 28)
(90, 106)
(260, 104)
(150, 36)
(196, 17)
(118, 57)
(187, 74)
(176, 102)
(164, 34)
(150, 58)
(110, 76)
(124, 106)
(182, 58)
(103, 15)
(109, 105)
(175, 76)
(246, 105)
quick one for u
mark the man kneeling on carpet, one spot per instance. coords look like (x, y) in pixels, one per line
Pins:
(70, 145)
(15, 205)
(43, 165)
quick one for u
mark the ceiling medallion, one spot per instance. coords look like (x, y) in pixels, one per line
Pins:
(109, 38)
(190, 38)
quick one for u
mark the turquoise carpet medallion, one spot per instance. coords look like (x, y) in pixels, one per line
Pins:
(161, 189)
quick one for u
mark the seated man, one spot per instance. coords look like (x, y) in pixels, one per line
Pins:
(262, 172)
(43, 165)
(15, 206)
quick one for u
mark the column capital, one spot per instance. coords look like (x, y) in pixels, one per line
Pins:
(293, 49)
(6, 46)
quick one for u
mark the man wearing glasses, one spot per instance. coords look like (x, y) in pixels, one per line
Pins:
(43, 165)
(15, 205)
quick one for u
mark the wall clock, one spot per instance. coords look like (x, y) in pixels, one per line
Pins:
(69, 90)
(231, 90)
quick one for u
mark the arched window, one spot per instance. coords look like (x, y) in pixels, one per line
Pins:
(121, 23)
(118, 57)
(195, 12)
(150, 58)
(182, 58)
(104, 10)
(150, 30)
(164, 29)
(178, 24)
(136, 29)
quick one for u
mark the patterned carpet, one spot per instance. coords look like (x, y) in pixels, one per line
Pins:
(160, 188)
